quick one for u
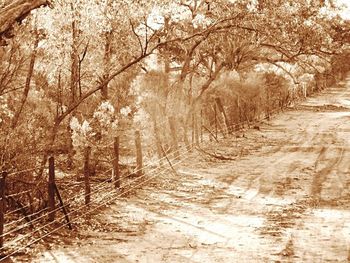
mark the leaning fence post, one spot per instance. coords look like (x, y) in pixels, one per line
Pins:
(87, 174)
(116, 174)
(51, 188)
(2, 207)
(138, 153)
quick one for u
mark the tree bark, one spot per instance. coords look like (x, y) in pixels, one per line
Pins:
(15, 12)
(74, 77)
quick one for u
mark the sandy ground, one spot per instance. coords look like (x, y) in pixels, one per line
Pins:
(285, 198)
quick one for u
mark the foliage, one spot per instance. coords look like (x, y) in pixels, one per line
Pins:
(156, 59)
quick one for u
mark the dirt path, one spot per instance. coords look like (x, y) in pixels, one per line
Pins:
(286, 198)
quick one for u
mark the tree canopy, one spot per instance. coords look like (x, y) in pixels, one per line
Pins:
(148, 57)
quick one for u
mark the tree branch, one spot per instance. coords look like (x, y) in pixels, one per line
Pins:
(16, 12)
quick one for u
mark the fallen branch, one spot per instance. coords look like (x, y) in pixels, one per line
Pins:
(220, 157)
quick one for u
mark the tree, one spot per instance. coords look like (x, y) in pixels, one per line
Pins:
(92, 47)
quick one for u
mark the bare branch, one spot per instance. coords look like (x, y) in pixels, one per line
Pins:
(137, 36)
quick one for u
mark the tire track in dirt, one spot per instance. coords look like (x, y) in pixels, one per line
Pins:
(332, 162)
(329, 163)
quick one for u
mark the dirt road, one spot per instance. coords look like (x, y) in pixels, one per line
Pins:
(285, 198)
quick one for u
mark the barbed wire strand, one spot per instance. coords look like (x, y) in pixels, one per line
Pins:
(17, 194)
(16, 210)
(24, 218)
(23, 171)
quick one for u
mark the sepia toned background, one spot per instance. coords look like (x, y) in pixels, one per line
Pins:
(174, 131)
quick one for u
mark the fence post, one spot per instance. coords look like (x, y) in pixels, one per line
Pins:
(138, 153)
(87, 175)
(51, 189)
(116, 176)
(175, 145)
(2, 207)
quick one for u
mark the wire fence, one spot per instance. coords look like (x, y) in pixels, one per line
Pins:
(104, 199)
(103, 191)
(102, 186)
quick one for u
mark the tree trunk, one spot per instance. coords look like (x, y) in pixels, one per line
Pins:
(185, 132)
(27, 84)
(74, 84)
(222, 110)
(139, 158)
(74, 77)
(174, 141)
(15, 12)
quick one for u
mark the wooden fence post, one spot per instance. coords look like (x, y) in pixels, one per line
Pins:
(175, 145)
(87, 175)
(63, 207)
(2, 207)
(138, 153)
(51, 189)
(116, 174)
